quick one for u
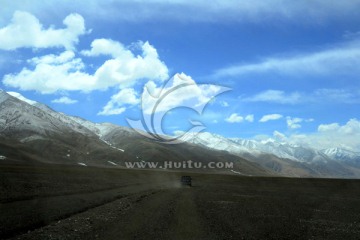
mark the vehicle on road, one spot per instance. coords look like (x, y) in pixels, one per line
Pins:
(186, 181)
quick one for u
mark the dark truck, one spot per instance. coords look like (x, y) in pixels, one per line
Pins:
(185, 181)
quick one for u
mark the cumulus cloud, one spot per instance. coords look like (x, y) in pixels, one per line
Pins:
(328, 127)
(25, 31)
(108, 47)
(67, 72)
(235, 118)
(116, 105)
(293, 123)
(64, 100)
(126, 67)
(52, 73)
(250, 118)
(54, 59)
(180, 91)
(331, 135)
(270, 117)
(350, 128)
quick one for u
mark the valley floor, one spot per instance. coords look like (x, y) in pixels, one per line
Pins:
(67, 202)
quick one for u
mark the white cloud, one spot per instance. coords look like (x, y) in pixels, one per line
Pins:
(180, 91)
(279, 136)
(270, 117)
(25, 31)
(234, 118)
(54, 59)
(107, 111)
(347, 96)
(275, 96)
(344, 59)
(108, 47)
(328, 127)
(115, 106)
(224, 103)
(294, 123)
(52, 73)
(315, 11)
(127, 68)
(332, 135)
(250, 118)
(64, 100)
(351, 127)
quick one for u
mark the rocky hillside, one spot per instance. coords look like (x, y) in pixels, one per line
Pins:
(37, 133)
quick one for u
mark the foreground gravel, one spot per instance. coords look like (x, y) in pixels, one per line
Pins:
(152, 205)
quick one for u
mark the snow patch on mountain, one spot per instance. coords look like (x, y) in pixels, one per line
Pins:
(22, 98)
(294, 152)
(76, 123)
(110, 145)
(18, 112)
(342, 154)
(32, 138)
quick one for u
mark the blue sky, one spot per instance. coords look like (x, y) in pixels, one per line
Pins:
(293, 67)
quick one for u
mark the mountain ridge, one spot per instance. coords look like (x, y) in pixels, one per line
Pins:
(44, 135)
(36, 122)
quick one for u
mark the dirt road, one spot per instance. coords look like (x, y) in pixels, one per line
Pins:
(145, 213)
(107, 204)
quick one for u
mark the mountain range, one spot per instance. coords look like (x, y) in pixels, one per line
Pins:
(33, 133)
(286, 159)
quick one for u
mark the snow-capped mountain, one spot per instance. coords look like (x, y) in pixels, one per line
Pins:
(284, 158)
(19, 117)
(343, 155)
(67, 139)
(108, 131)
(283, 150)
(33, 133)
(221, 143)
(61, 120)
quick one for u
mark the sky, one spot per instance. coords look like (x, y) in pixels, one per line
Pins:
(290, 68)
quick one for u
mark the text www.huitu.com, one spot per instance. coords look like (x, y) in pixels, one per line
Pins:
(180, 165)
